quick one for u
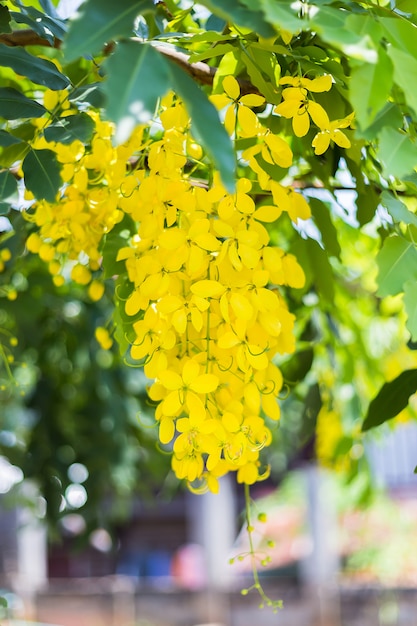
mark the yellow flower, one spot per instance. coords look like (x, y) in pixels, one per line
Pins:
(238, 108)
(332, 132)
(298, 107)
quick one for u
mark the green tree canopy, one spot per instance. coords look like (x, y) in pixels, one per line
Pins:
(229, 189)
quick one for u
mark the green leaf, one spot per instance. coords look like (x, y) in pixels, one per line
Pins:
(206, 126)
(14, 105)
(130, 68)
(397, 263)
(102, 21)
(4, 20)
(405, 75)
(397, 153)
(322, 219)
(410, 303)
(71, 128)
(232, 11)
(391, 399)
(42, 174)
(116, 239)
(397, 209)
(8, 185)
(38, 70)
(370, 86)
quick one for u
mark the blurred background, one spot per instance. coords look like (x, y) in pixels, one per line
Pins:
(96, 531)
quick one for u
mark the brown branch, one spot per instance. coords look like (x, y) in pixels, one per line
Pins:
(26, 37)
(200, 72)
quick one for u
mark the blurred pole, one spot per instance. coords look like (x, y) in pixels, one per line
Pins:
(212, 522)
(32, 569)
(320, 569)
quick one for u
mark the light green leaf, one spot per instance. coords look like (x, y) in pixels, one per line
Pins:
(71, 128)
(102, 21)
(390, 116)
(281, 15)
(405, 74)
(407, 6)
(38, 70)
(138, 75)
(264, 85)
(14, 105)
(370, 86)
(391, 399)
(42, 174)
(206, 126)
(397, 209)
(401, 33)
(210, 53)
(4, 20)
(410, 303)
(232, 11)
(397, 263)
(397, 153)
(8, 185)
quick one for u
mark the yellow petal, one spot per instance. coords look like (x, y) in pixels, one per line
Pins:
(166, 430)
(267, 213)
(206, 383)
(231, 87)
(208, 288)
(170, 380)
(252, 100)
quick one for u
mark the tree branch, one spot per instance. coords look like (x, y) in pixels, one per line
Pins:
(200, 72)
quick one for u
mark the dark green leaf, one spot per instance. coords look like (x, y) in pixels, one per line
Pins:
(4, 208)
(113, 242)
(366, 203)
(397, 263)
(130, 68)
(42, 174)
(92, 94)
(102, 21)
(206, 126)
(45, 27)
(14, 105)
(8, 185)
(321, 215)
(38, 70)
(49, 20)
(397, 209)
(4, 20)
(70, 128)
(397, 153)
(391, 399)
(298, 366)
(232, 11)
(410, 303)
(6, 139)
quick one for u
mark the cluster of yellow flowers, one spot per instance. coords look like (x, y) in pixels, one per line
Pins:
(206, 306)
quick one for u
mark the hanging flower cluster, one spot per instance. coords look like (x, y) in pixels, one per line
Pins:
(205, 313)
